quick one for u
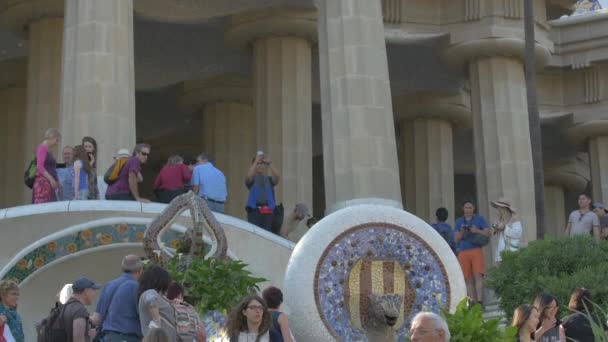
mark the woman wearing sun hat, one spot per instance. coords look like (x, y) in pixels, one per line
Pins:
(508, 226)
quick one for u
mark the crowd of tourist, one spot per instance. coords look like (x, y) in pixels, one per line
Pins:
(76, 179)
(143, 305)
(472, 232)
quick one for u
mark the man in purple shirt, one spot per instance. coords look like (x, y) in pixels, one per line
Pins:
(125, 188)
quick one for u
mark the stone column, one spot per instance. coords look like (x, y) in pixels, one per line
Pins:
(427, 168)
(555, 210)
(503, 152)
(228, 132)
(281, 41)
(359, 152)
(598, 158)
(594, 134)
(12, 130)
(571, 175)
(42, 22)
(98, 91)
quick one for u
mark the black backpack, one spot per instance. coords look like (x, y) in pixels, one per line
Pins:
(51, 329)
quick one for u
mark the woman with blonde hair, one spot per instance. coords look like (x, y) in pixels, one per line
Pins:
(82, 173)
(525, 319)
(508, 226)
(46, 183)
(9, 296)
(250, 321)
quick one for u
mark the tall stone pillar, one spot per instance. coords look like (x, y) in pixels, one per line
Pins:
(12, 131)
(572, 176)
(359, 152)
(594, 134)
(98, 88)
(598, 158)
(555, 210)
(427, 168)
(42, 22)
(228, 132)
(281, 41)
(503, 153)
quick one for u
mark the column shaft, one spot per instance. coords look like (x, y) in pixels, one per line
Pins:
(229, 137)
(428, 167)
(98, 92)
(598, 158)
(44, 80)
(502, 138)
(555, 210)
(360, 157)
(12, 129)
(283, 107)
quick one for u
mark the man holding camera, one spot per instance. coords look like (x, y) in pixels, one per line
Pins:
(261, 202)
(471, 233)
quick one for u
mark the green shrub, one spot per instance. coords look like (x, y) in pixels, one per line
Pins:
(467, 325)
(555, 266)
(211, 284)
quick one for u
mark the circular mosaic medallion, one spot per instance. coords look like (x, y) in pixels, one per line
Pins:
(363, 255)
(377, 258)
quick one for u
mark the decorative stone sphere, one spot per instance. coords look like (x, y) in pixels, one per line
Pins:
(360, 253)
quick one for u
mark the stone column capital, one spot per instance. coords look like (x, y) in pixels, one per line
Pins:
(13, 73)
(569, 176)
(17, 14)
(195, 94)
(581, 133)
(244, 28)
(460, 54)
(455, 108)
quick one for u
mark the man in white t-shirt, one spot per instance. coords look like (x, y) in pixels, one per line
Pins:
(583, 221)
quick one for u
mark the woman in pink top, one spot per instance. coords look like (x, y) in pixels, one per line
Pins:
(172, 180)
(46, 183)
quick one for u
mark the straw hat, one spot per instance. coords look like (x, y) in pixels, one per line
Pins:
(504, 203)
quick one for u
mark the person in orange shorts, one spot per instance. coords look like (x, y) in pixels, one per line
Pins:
(470, 254)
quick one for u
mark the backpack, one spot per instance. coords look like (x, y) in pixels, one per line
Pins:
(186, 321)
(49, 329)
(30, 173)
(113, 172)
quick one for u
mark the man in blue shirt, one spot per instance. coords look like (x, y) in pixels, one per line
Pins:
(209, 183)
(117, 309)
(443, 228)
(470, 255)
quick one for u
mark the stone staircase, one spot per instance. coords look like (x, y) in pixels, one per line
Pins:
(492, 310)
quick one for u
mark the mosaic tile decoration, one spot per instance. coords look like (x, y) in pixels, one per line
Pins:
(584, 6)
(377, 258)
(82, 240)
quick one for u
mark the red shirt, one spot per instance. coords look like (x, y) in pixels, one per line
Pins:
(172, 177)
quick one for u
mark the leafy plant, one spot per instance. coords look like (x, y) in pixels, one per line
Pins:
(555, 266)
(597, 320)
(213, 284)
(467, 324)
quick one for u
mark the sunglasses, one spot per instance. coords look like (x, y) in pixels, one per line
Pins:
(145, 154)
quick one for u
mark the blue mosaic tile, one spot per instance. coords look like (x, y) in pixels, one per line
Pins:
(79, 241)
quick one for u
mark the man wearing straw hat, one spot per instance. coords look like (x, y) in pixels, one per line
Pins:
(508, 226)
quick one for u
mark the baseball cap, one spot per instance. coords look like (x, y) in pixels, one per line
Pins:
(301, 209)
(83, 283)
(599, 205)
(123, 152)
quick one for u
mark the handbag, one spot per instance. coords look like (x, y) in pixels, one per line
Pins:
(477, 239)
